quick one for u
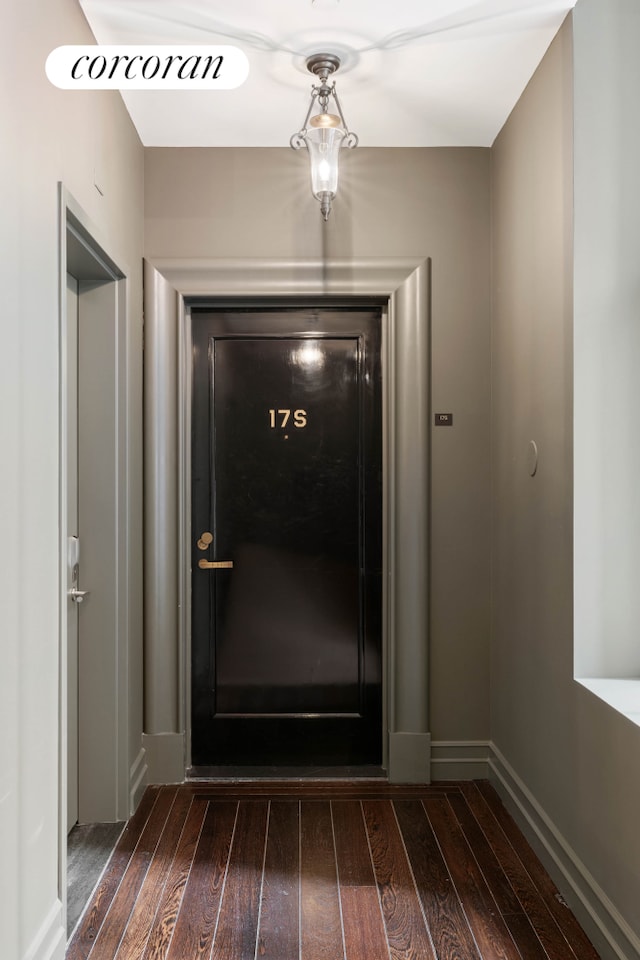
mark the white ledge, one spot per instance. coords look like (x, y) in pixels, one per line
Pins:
(621, 694)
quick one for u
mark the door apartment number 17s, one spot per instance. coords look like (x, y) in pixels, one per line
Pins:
(280, 418)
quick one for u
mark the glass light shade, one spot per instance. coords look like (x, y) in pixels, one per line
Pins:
(324, 145)
(325, 120)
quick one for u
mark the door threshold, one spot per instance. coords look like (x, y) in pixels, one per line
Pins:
(240, 773)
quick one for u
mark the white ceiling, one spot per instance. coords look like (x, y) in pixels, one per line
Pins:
(414, 73)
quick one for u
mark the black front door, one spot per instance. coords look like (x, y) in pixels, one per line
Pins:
(287, 536)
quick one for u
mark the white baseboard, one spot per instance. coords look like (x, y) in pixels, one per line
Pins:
(610, 934)
(459, 760)
(138, 778)
(51, 940)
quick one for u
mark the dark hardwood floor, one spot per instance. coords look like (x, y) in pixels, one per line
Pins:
(325, 871)
(89, 846)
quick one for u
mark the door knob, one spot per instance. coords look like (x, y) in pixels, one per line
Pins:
(215, 564)
(77, 596)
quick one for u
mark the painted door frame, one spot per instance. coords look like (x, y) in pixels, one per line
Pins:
(104, 790)
(406, 362)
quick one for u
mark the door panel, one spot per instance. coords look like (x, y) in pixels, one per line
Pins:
(72, 531)
(286, 487)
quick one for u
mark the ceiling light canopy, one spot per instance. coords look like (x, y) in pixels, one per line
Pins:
(324, 133)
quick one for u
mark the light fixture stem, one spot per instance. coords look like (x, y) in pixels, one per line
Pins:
(351, 139)
(314, 94)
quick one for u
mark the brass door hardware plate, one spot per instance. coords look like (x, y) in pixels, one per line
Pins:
(205, 540)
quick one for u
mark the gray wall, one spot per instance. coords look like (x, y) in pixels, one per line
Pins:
(392, 202)
(570, 762)
(49, 135)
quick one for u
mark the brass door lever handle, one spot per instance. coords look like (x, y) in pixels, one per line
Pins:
(215, 564)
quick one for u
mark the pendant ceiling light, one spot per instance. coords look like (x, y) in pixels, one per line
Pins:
(324, 133)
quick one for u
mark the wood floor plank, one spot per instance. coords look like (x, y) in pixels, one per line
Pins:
(136, 935)
(364, 931)
(540, 917)
(321, 935)
(525, 937)
(489, 929)
(85, 935)
(237, 927)
(450, 931)
(114, 924)
(196, 922)
(279, 932)
(580, 944)
(315, 789)
(407, 933)
(171, 897)
(89, 849)
(497, 881)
